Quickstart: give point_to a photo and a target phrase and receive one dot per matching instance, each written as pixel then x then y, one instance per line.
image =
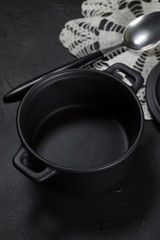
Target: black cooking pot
pixel 80 128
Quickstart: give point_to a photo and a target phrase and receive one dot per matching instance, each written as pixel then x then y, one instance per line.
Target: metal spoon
pixel 142 34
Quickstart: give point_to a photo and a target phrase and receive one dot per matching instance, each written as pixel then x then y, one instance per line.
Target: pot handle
pixel 133 74
pixel 18 162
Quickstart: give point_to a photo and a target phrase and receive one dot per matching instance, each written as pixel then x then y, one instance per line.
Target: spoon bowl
pixel 143 33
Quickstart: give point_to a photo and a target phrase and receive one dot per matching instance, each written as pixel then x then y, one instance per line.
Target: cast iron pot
pixel 80 129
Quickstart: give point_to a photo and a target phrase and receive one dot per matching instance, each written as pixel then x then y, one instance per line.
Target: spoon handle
pixel 17 93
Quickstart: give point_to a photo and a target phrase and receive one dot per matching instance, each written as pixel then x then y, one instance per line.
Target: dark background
pixel 29 46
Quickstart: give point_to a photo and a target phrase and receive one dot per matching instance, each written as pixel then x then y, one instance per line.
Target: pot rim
pixel 79 170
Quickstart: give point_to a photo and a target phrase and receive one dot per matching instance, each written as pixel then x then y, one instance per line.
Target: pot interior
pixel 80 120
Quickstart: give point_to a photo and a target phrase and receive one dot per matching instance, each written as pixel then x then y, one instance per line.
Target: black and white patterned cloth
pixel 102 26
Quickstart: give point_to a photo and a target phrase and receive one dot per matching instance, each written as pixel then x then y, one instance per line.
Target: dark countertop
pixel 29 46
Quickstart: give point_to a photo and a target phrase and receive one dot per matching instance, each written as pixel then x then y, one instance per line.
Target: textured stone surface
pixel 29 46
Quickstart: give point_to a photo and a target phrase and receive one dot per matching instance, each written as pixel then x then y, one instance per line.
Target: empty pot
pixel 82 127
